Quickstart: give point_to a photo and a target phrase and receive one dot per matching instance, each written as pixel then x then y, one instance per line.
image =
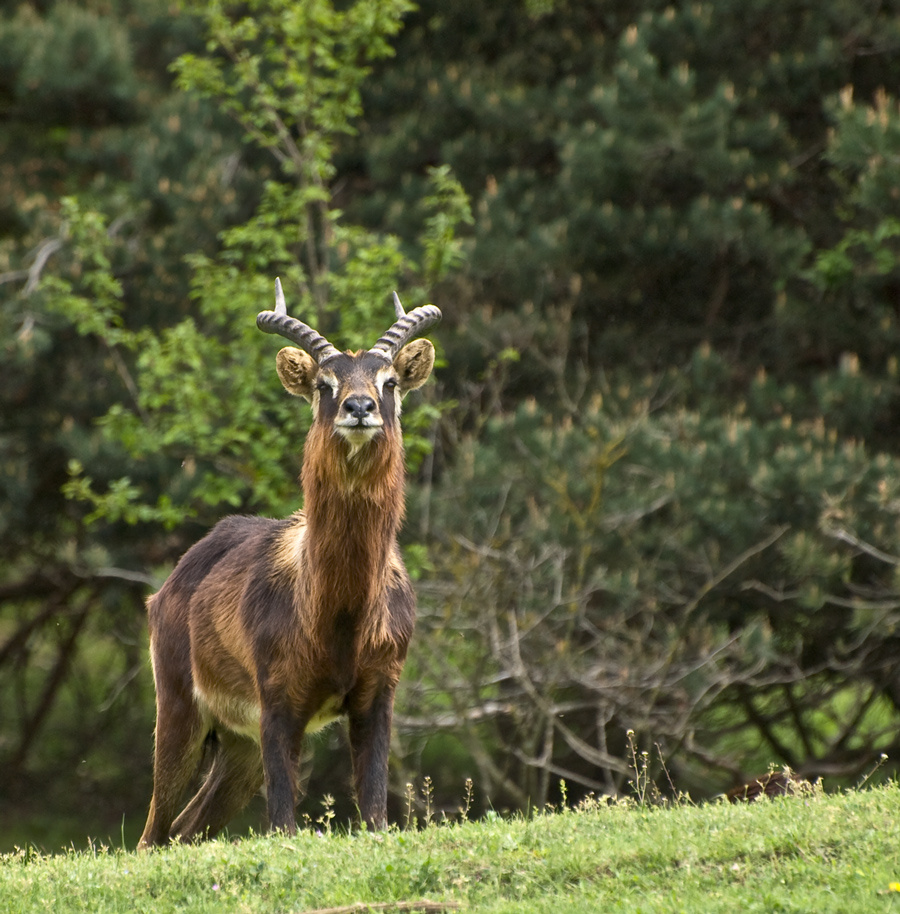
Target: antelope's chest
pixel 351 669
pixel 337 672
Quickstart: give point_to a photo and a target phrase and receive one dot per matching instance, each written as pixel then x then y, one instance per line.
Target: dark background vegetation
pixel 656 485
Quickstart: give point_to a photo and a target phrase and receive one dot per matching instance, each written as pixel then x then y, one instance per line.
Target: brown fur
pixel 269 628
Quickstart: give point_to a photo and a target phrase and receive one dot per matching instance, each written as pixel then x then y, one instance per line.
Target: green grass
pixel 815 853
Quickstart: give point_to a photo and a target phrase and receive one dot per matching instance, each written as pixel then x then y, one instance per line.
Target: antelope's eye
pixel 390 383
pixel 322 386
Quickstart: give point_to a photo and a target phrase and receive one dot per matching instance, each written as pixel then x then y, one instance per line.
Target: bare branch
pixel 13 276
pixel 45 250
pixel 845 536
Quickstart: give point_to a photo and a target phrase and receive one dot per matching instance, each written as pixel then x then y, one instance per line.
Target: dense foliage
pixel 656 488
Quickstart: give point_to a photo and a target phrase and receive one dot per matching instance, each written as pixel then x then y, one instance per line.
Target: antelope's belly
pixel 243 717
pixel 229 711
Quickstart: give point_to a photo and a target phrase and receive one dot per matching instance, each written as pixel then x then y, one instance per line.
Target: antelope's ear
pixel 413 365
pixel 297 371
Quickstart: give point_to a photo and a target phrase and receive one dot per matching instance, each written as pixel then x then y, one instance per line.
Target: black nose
pixel 359 407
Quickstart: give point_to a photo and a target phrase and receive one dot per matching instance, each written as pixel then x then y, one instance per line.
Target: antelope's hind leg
pixel 235 775
pixel 180 733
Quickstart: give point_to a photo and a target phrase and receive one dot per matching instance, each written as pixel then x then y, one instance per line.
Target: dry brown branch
pixel 65 652
pixel 363 907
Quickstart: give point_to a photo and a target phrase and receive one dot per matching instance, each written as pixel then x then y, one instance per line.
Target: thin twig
pixel 733 566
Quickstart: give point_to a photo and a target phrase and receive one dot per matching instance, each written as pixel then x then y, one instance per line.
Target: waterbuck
pixel 268 629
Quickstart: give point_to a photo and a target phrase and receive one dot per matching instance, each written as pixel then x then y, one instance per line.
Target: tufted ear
pixel 413 365
pixel 297 371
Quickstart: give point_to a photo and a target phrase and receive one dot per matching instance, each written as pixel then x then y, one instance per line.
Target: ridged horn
pixel 282 324
pixel 405 328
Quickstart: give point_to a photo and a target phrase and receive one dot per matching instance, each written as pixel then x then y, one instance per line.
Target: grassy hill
pixel 814 853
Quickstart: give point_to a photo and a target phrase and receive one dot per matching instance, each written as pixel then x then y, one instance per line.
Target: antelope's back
pixel 196 618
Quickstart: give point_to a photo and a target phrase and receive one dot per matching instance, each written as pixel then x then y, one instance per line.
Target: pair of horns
pixel 389 344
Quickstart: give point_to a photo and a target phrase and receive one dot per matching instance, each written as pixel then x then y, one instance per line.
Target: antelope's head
pixel 357 394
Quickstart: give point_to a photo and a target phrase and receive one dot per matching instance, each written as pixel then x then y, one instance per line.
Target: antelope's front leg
pixel 370 739
pixel 281 738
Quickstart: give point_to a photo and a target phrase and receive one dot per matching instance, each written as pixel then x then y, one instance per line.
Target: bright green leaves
pixel 290 73
pixel 449 209
pixel 92 298
pixel 200 400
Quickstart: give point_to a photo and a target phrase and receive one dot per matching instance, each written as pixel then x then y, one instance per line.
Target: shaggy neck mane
pixel 354 507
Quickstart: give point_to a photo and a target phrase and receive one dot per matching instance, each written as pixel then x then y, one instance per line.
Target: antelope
pixel 269 629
